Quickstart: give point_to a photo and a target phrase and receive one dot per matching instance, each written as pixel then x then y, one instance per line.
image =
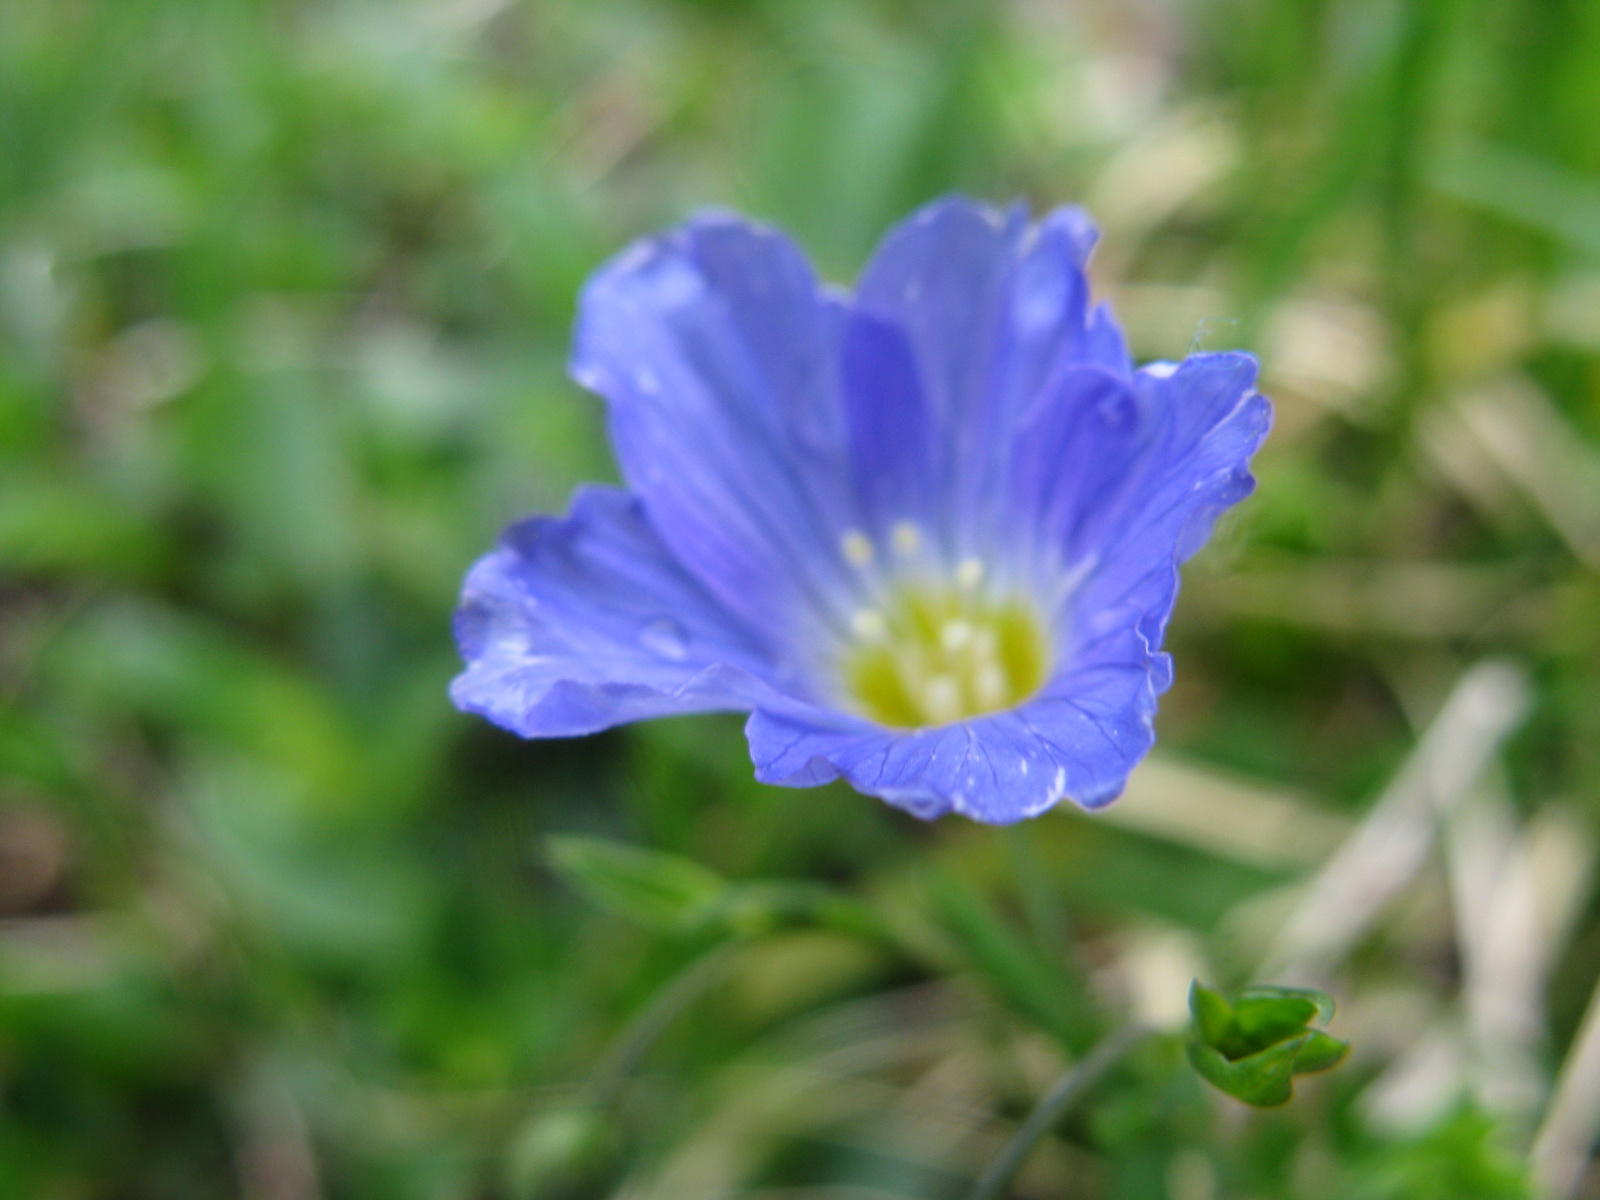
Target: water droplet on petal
pixel 664 636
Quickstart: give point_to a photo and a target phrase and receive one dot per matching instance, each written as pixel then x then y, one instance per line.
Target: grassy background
pixel 285 290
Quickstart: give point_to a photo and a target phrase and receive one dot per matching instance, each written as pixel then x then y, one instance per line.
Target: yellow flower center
pixel 934 653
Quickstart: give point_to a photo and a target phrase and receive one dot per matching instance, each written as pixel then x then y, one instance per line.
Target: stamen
pixel 856 548
pixel 931 653
pixel 955 634
pixel 941 699
pixel 989 685
pixel 868 625
pixel 906 538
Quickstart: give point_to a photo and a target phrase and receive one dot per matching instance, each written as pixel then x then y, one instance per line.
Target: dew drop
pixel 664 636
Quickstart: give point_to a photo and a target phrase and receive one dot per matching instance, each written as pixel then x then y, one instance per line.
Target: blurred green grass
pixel 284 296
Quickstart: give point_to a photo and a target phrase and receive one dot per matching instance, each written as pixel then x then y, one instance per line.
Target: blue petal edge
pixel 577 623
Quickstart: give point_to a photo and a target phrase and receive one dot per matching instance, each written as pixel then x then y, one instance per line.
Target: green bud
pixel 1253 1047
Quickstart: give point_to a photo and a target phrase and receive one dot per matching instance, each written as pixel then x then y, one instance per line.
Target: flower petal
pixel 944 276
pixel 1206 420
pixel 718 353
pixel 579 623
pixel 893 446
pixel 1078 740
pixel 1050 325
pixel 992 310
pixel 1069 460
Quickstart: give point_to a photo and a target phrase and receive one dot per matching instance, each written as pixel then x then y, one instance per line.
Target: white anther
pixel 856 548
pixel 941 699
pixel 969 572
pixel 989 685
pixel 953 635
pixel 906 538
pixel 867 624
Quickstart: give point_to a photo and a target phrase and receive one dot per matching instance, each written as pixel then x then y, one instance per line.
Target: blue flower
pixel 926 535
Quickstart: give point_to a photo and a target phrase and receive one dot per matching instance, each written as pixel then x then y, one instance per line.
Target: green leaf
pixel 1253 1047
pixel 1464 1157
pixel 1321 1001
pixel 554 1145
pixel 1321 1053
pixel 656 889
pixel 1263 1020
pixel 1212 1012
pixel 51 525
pixel 1033 984
pixel 1263 1079
pixel 765 906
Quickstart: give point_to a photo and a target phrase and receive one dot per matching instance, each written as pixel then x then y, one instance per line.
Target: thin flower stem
pixel 1069 1089
pixel 671 999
